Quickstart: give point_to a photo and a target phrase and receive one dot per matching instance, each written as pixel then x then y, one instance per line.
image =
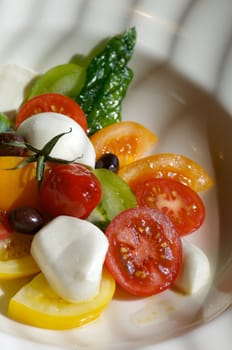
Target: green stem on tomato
pixel 40 157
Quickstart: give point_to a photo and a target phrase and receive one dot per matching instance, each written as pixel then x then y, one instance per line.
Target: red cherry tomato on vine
pixel 52 102
pixel 69 189
pixel 183 205
pixel 145 251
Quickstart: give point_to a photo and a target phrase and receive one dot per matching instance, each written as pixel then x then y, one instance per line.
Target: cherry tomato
pixel 52 102
pixel 145 251
pixel 183 205
pixel 69 189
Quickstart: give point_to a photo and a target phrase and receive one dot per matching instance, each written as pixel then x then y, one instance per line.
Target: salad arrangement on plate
pixel 86 204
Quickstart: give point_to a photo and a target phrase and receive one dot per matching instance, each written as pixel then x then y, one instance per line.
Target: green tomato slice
pixel 66 79
pixel 116 197
pixel 5 123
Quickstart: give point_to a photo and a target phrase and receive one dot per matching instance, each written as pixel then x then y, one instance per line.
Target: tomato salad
pixel 71 169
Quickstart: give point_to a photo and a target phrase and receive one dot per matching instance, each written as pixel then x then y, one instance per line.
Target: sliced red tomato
pixel 183 205
pixel 52 102
pixel 5 230
pixel 145 251
pixel 69 189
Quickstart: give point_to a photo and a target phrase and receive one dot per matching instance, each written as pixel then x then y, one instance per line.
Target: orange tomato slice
pixel 128 140
pixel 15 258
pixel 167 165
pixel 17 187
pixel 38 305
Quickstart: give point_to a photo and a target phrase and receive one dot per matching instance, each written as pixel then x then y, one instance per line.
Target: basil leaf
pixel 107 109
pixel 107 79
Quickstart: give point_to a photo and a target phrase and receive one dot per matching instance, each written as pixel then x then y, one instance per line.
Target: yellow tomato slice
pixel 15 258
pixel 175 166
pixel 17 187
pixel 127 140
pixel 37 304
pixel 17 268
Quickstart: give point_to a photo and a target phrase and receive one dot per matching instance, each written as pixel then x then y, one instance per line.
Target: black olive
pixel 25 220
pixel 108 161
pixel 10 150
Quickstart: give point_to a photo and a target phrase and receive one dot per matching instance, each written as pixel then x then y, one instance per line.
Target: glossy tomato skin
pixel 167 165
pixel 183 205
pixel 69 189
pixel 145 251
pixel 52 102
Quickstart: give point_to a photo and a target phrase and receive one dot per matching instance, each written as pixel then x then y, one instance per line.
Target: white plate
pixel 182 91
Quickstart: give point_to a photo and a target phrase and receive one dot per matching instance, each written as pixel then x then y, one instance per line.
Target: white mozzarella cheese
pixel 195 272
pixel 13 80
pixel 42 127
pixel 70 252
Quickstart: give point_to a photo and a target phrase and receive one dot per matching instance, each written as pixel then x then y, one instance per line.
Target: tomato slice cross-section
pixel 15 258
pixel 167 165
pixel 38 305
pixel 183 205
pixel 128 140
pixel 52 102
pixel 145 251
pixel 4 225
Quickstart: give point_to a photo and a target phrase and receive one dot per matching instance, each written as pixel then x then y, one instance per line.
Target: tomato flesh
pixel 52 102
pixel 5 230
pixel 69 189
pixel 127 140
pixel 38 305
pixel 183 205
pixel 17 187
pixel 145 251
pixel 167 165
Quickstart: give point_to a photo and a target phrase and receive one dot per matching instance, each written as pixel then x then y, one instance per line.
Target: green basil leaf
pixel 105 74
